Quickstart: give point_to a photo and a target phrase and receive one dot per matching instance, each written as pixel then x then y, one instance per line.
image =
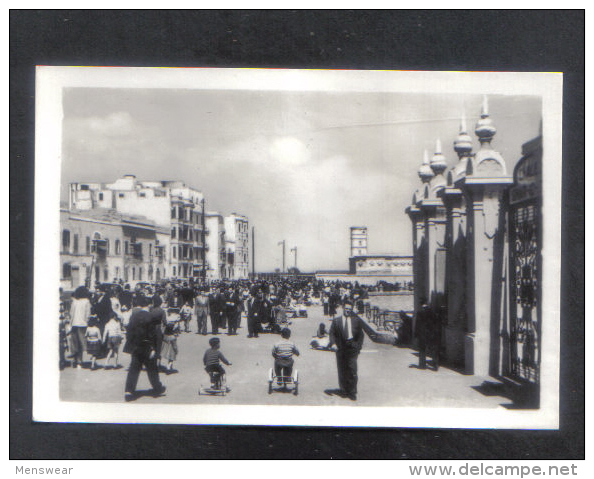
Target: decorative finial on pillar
pixel 485 130
pixel 438 162
pixel 425 171
pixel 463 144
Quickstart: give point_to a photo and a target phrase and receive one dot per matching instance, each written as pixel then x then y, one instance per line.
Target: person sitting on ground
pixel 321 339
pixel 213 357
pixel 283 352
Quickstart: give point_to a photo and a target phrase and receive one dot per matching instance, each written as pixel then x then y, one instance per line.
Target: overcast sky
pixel 302 166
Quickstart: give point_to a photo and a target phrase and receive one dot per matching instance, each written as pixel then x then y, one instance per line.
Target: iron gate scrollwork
pixel 526 265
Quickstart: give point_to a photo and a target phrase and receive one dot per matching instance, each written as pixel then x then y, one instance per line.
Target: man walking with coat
pixel 143 343
pixel 346 332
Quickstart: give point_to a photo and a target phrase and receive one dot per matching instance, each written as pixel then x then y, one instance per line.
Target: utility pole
pixel 295 250
pixel 283 243
pixel 253 254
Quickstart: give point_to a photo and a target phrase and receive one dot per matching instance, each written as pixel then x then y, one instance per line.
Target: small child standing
pixel 213 357
pixel 169 349
pixel 283 352
pixel 93 337
pixel 186 316
pixel 112 338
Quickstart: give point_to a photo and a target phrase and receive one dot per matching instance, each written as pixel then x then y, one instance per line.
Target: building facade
pixel 102 245
pixel 237 245
pixel 476 256
pixel 169 204
pixel 216 250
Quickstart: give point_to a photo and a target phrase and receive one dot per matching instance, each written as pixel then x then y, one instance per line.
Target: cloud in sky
pixel 303 166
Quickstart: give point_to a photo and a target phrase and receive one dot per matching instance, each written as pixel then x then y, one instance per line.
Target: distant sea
pixel 394 302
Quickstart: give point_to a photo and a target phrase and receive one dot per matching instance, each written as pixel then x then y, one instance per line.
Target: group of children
pixel 111 339
pixel 282 352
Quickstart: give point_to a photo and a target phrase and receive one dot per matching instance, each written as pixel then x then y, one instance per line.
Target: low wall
pixel 367 280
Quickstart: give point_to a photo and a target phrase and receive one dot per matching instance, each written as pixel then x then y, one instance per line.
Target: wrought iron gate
pixel 526 266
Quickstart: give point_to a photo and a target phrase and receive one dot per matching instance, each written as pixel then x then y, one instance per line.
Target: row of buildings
pixel 135 231
pixel 477 243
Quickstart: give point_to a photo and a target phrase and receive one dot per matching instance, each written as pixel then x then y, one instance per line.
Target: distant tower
pixel 358 241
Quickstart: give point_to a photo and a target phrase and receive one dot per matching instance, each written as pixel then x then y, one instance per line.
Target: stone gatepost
pixel 434 213
pixel 483 185
pixel 420 255
pixel 456 277
pixel 418 237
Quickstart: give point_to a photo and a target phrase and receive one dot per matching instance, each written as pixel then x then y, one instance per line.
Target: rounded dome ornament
pixel 485 129
pixel 425 171
pixel 463 144
pixel 438 162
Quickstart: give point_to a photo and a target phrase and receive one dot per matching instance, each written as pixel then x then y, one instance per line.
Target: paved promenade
pixel 387 375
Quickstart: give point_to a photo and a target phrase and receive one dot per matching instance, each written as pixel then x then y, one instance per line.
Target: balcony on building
pixel 100 247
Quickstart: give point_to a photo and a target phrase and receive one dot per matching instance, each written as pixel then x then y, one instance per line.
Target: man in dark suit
pixel 258 308
pixel 428 334
pixel 346 332
pixel 143 343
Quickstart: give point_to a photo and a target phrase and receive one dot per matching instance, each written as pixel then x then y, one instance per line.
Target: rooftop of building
pixel 111 216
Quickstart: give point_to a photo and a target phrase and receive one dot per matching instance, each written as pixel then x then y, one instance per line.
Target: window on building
pixel 133 273
pixel 117 272
pixel 66 271
pixel 75 244
pixel 106 246
pixel 142 195
pixel 173 212
pixel 105 274
pixel 173 232
pixel 150 252
pixel 140 274
pixel 100 196
pixel 84 187
pixel 65 240
pixel 174 251
pixel 125 247
pixel 121 195
pixel 88 245
pixel 174 271
pixel 118 247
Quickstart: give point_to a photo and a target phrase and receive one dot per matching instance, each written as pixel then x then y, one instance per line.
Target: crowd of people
pixel 148 319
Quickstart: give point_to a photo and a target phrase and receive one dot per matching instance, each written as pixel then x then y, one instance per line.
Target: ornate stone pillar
pixel 420 266
pixel 435 228
pixel 484 182
pixel 419 244
pixel 455 204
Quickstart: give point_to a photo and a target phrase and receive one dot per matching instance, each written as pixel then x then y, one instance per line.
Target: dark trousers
pixel 326 310
pixel 283 367
pixel 214 321
pixel 138 360
pixel 223 320
pixel 253 326
pixel 233 322
pixel 433 350
pixel 201 321
pixel 346 363
pixel 79 343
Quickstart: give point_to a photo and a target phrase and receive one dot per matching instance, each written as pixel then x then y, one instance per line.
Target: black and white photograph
pixel 297 247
